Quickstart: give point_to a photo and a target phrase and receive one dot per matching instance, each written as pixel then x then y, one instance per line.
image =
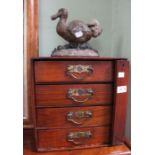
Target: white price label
pixel 79 34
pixel 121 89
pixel 121 74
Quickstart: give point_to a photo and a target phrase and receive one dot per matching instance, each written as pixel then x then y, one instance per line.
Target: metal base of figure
pixel 74 50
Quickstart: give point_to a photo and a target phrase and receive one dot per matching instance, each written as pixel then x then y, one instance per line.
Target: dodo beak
pixel 55 16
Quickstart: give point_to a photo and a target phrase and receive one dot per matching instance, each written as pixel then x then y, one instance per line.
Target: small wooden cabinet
pixel 79 102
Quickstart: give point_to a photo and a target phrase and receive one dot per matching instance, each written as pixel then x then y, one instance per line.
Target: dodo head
pixel 62 13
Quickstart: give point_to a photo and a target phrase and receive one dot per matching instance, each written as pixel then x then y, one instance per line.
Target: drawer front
pixel 75 95
pixel 77 71
pixel 72 138
pixel 74 117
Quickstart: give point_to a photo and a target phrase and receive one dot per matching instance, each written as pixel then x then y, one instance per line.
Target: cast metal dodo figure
pixel 76 32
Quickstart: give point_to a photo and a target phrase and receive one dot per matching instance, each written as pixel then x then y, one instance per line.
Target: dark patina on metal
pixel 75 137
pixel 77 33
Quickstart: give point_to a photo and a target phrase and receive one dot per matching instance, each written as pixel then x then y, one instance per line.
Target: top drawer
pixel 73 71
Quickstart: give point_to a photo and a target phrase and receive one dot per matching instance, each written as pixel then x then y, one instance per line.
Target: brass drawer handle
pixel 79 72
pixel 74 117
pixel 75 137
pixel 80 95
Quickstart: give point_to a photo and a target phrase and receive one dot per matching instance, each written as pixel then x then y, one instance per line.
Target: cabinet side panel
pixel 120 100
pixel 34 105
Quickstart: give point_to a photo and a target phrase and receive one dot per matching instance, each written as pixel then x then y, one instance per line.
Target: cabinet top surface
pixel 75 58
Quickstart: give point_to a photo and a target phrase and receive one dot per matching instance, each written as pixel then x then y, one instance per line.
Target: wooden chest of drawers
pixel 79 102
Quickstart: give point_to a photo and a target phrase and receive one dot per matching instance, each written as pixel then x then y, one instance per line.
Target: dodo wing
pixel 77 28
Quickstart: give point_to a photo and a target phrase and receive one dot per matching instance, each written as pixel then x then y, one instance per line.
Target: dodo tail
pixel 95 27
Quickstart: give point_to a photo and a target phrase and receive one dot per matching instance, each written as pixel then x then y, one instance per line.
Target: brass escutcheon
pixel 74 94
pixel 74 136
pixel 76 71
pixel 75 117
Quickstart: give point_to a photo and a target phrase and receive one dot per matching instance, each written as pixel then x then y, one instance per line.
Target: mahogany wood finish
pixel 57 117
pixel 114 150
pixel 57 95
pixel 77 58
pixel 56 139
pixel 55 71
pixel 127 143
pixel 52 103
pixel 120 100
pixel 30 50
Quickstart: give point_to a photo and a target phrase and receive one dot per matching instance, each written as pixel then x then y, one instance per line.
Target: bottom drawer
pixel 72 138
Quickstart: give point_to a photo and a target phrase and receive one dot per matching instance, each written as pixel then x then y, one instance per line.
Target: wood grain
pixel 56 95
pixel 114 150
pixel 56 139
pixel 77 58
pixel 52 102
pixel 57 117
pixel 30 50
pixel 56 71
pixel 120 102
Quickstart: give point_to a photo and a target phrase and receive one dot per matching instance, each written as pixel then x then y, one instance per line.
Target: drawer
pixel 57 139
pixel 74 94
pixel 74 117
pixel 73 71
